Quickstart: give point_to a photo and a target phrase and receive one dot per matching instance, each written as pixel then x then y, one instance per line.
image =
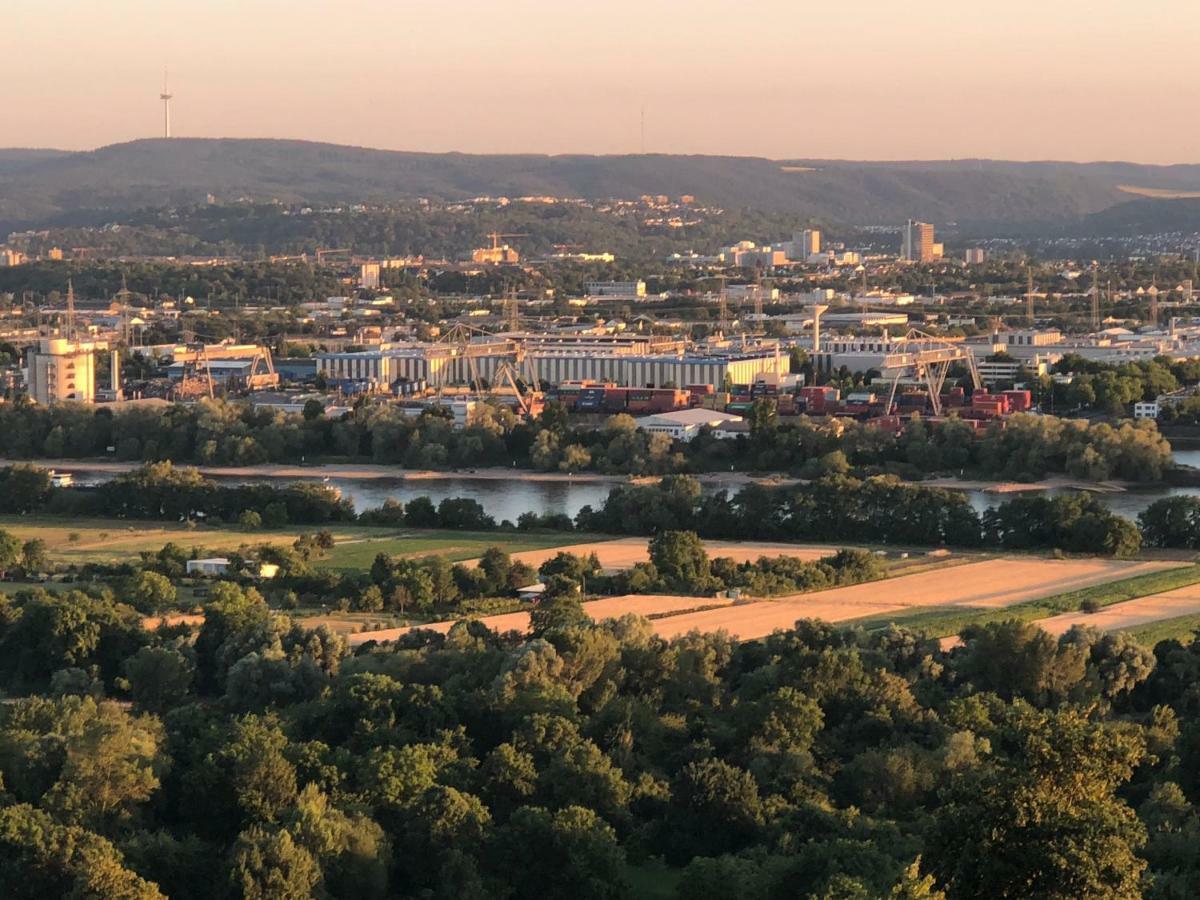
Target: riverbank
pixel 370 472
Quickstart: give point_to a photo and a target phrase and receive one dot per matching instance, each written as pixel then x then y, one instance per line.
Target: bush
pixel 250 520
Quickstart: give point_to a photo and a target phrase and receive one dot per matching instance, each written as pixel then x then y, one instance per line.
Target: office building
pixel 806 244
pixel 917 244
pixel 60 371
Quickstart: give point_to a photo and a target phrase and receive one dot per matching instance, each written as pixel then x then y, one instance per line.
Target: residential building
pixel 975 256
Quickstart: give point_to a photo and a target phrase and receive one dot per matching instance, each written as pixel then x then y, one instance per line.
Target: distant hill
pixel 38 186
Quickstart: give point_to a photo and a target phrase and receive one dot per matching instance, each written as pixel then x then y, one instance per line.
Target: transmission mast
pixel 1029 294
pixel 70 310
pixel 165 97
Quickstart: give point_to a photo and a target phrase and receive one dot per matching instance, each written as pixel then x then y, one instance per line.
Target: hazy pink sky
pixel 873 79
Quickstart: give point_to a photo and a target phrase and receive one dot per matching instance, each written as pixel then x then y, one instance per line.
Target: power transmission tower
pixel 1029 295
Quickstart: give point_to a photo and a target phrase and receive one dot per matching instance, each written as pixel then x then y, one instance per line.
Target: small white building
pixel 1146 409
pixel 685 424
pixel 217 565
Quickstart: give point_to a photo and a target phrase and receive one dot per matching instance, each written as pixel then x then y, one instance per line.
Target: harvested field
pixel 1123 616
pixel 606 608
pixel 992 584
pixel 623 553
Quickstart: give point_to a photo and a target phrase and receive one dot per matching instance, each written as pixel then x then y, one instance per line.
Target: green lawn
pixel 946 621
pixel 1181 628
pixel 454 545
pixel 116 540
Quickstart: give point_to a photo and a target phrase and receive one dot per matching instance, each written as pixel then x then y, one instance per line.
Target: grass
pixel 454 545
pixel 81 541
pixel 946 621
pixel 1180 628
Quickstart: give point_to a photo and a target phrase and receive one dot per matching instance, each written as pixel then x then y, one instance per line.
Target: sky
pixel 902 79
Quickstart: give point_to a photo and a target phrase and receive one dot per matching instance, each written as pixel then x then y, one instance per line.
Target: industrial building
pixel 631 289
pixel 685 424
pixel 629 361
pixel 58 370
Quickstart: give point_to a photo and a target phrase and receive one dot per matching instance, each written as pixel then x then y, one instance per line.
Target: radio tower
pixel 165 97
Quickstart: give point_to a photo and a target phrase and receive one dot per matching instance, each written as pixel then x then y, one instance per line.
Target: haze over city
pixel 929 79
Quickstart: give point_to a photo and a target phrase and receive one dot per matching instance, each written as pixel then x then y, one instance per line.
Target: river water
pixel 508 499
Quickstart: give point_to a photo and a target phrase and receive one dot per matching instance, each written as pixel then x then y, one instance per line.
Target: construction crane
pixel 323 252
pixel 197 377
pixel 506 376
pixel 929 358
pixel 496 235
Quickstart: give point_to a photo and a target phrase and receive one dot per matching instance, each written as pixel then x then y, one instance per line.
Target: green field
pixel 946 621
pixel 1181 628
pixel 360 552
pixel 80 541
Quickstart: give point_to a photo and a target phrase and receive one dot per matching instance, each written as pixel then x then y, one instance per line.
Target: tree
pixel 568 853
pixel 106 763
pixel 269 865
pixel 1042 818
pixel 10 552
pixel 34 558
pixel 250 520
pixel 159 678
pixel 149 592
pixel 681 560
pixel 40 858
pixel 715 808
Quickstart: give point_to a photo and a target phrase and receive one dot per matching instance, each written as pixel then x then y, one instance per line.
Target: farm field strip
pixel 1184 601
pixel 991 584
pixel 624 553
pixel 599 610
pixel 968 585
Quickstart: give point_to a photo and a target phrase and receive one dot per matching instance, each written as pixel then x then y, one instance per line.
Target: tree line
pixel 218 432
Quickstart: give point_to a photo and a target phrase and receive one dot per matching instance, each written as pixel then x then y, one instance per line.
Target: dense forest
pixel 249 758
pixel 1027 447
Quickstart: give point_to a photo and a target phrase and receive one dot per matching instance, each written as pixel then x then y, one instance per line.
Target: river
pixel 508 499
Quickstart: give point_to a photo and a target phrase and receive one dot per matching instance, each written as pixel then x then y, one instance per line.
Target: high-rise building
pixel 59 370
pixel 917 245
pixel 806 243
pixel 975 256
